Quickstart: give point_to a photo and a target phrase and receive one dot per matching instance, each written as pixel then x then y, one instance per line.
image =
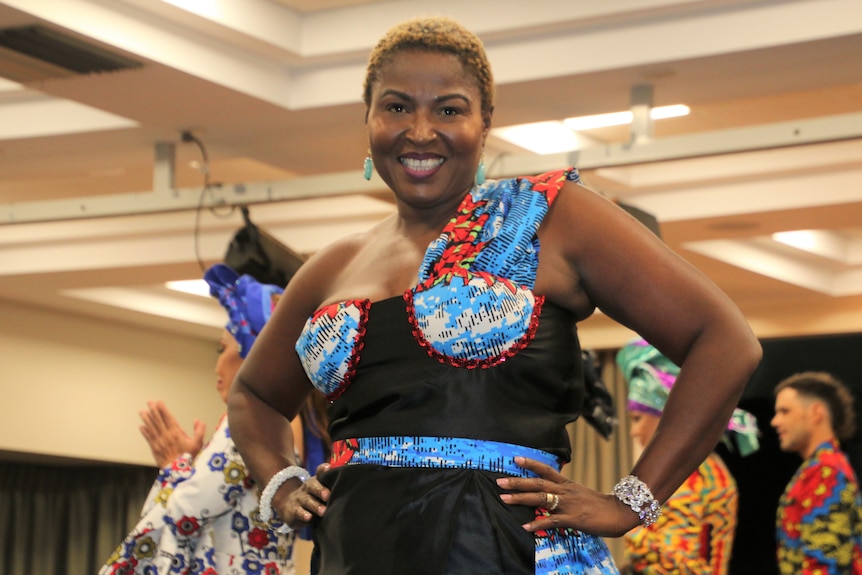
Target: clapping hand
pixel 166 438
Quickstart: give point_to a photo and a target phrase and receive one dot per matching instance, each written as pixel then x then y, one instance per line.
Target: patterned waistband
pixel 438 452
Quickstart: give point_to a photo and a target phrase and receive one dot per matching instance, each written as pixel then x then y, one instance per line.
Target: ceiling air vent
pixel 34 52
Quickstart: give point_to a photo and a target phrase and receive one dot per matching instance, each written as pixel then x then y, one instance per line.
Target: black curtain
pixel 66 519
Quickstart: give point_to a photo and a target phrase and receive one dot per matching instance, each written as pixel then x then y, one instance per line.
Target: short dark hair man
pixel 819 519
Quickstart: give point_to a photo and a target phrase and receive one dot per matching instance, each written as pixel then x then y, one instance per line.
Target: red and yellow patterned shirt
pixel 694 534
pixel 819 523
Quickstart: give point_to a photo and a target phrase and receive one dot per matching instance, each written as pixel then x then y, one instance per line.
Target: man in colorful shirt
pixel 819 524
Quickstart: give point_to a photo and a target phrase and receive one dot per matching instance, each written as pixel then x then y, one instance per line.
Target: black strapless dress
pixel 406 520
pixel 436 392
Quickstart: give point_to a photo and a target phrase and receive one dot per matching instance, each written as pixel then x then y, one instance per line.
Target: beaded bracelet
pixel 274 484
pixel 634 493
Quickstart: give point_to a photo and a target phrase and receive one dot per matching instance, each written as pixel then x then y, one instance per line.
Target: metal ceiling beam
pixel 715 143
pixel 768 136
pixel 641 108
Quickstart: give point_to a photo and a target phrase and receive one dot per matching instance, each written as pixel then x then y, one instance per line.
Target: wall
pixel 72 386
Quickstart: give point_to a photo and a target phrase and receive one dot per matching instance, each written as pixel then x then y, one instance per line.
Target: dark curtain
pixel 66 519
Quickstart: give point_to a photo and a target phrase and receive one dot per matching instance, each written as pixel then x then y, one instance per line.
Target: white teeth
pixel 421 165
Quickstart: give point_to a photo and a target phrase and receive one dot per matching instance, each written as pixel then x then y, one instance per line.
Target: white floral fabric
pixel 202 517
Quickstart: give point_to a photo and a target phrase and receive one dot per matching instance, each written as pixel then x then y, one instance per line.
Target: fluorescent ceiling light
pixel 598 121
pixel 556 137
pixel 799 239
pixel 673 111
pixel 539 137
pixel 145 300
pixel 823 243
pixel 194 287
pixel 622 118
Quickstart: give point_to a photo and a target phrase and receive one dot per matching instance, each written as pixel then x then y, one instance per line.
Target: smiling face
pixel 227 364
pixel 426 128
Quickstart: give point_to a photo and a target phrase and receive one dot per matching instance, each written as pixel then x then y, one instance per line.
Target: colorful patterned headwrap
pixel 249 303
pixel 650 376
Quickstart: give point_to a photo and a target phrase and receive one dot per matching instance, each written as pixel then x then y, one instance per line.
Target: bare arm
pixel 270 389
pixel 593 253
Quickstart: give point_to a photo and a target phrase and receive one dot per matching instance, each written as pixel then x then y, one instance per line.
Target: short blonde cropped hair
pixel 433 34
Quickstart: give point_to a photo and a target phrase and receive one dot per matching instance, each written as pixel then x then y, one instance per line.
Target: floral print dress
pixel 202 517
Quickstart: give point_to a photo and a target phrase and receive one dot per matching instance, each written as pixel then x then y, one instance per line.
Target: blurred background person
pixel 819 518
pixel 202 513
pixel 694 534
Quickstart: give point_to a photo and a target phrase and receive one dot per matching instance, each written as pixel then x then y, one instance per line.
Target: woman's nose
pixel 422 129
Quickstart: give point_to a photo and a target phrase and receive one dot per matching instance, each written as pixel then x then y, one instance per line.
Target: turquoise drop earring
pixel 367 166
pixel 480 171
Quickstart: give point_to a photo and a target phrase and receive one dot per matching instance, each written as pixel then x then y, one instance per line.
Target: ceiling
pixel 102 200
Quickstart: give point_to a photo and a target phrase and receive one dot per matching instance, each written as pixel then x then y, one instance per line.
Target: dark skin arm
pixel 271 387
pixel 593 253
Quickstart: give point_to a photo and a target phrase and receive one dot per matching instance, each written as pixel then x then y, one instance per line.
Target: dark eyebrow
pixel 455 96
pixel 391 92
pixel 438 99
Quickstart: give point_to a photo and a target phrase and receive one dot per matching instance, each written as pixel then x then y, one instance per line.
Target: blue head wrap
pixel 248 303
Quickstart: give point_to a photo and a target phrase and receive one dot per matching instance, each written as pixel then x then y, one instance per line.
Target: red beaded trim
pixel 363 305
pixel 474 363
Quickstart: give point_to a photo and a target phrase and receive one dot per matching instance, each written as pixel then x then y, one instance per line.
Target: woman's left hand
pixel 574 506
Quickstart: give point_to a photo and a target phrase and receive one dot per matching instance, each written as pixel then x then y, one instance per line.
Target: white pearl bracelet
pixel 274 484
pixel 635 493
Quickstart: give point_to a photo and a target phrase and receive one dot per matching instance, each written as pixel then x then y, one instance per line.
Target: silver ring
pixel 552 500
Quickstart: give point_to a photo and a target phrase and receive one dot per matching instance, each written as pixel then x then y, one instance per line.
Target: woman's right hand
pixel 167 440
pixel 298 507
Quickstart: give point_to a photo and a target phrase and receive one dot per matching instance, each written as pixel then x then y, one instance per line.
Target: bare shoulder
pixel 578 220
pixel 319 274
pixel 604 254
pixel 582 213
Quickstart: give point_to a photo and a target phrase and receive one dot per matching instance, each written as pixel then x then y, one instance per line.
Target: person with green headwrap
pixel 694 533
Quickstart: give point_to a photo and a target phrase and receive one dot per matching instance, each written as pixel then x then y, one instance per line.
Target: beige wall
pixel 73 386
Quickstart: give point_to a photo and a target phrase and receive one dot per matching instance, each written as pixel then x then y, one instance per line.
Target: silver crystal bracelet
pixel 274 484
pixel 634 493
